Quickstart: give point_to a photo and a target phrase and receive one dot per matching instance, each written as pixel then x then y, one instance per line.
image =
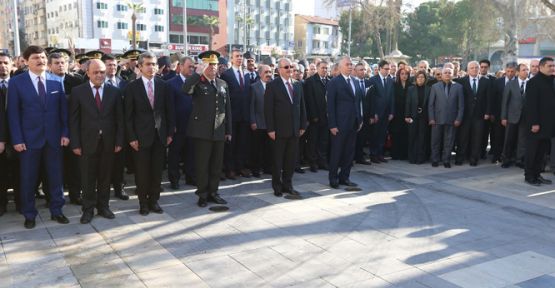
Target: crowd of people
pixel 79 123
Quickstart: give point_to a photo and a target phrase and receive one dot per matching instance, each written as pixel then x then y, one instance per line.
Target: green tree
pixel 212 22
pixel 135 8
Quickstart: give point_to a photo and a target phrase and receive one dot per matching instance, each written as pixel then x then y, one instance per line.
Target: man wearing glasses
pixel 382 108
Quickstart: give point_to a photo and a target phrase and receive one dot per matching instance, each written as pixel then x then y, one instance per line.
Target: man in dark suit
pixel 445 113
pixel 7 164
pixel 96 126
pixel 116 81
pixel 150 124
pixel 37 117
pixel 477 97
pixel 236 153
pixel 181 148
pixel 58 66
pixel 345 119
pixel 497 132
pixel 382 105
pixel 209 126
pixel 250 72
pixel 261 159
pixel 285 115
pixel 317 113
pixel 362 136
pixel 511 111
pixel 540 121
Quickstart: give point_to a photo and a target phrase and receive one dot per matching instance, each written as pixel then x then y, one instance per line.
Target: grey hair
pixel 472 63
pixel 144 55
pixel 283 59
pixel 511 65
pixel 184 59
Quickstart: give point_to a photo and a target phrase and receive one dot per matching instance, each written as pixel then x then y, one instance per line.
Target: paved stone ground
pixel 410 226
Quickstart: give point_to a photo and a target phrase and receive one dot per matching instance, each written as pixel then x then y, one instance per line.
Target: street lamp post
pixel 185 27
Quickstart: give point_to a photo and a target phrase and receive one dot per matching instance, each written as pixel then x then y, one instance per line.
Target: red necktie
pixel 97 98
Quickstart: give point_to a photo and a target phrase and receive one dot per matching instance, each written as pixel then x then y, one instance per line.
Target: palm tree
pixel 211 22
pixel 136 8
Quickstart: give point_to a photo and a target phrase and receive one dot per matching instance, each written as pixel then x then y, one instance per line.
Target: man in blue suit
pixel 382 108
pixel 238 82
pixel 345 119
pixel 37 114
pixel 181 145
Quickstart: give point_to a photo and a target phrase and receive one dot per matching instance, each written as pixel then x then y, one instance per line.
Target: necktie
pixel 214 84
pixel 362 86
pixel 241 82
pixel 349 83
pixel 291 91
pixel 522 88
pixel 324 81
pixel 474 89
pixel 3 84
pixel 42 90
pixel 150 93
pixel 112 82
pixel 97 98
pixel 446 89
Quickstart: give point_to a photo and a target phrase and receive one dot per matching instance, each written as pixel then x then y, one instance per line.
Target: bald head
pixel 96 71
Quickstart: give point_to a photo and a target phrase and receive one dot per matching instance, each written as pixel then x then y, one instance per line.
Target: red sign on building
pixel 105 45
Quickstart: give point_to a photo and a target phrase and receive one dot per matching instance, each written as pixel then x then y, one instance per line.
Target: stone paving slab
pixel 409 226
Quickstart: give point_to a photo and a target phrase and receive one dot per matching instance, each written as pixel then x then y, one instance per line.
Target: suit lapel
pixel 142 92
pixel 349 86
pixel 283 89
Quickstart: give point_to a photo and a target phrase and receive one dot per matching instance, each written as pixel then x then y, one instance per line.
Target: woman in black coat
pixel 398 126
pixel 416 117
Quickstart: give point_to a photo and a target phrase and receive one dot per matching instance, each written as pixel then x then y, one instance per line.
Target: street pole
pixel 16 47
pixel 350 24
pixel 245 25
pixel 185 28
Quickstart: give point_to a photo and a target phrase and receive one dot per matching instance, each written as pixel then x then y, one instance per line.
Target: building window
pixel 122 25
pixel 100 5
pixel 158 11
pixel 141 27
pixel 102 24
pixel 326 30
pixel 316 30
pixel 121 7
pixel 325 44
pixel 315 44
pixel 176 38
pixel 177 19
pixel 158 28
pixel 300 43
pixel 177 3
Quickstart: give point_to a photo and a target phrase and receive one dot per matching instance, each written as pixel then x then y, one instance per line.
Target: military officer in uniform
pixel 209 126
pixel 132 56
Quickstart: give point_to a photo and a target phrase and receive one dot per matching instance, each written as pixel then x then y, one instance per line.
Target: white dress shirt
pixel 145 82
pixel 35 80
pixel 287 88
pixel 100 90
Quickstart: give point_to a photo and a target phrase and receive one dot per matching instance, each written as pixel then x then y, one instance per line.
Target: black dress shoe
pixel 190 181
pixel 447 165
pixel 202 202
pixel 60 219
pixel 458 163
pixel 143 209
pixel 154 207
pixel 216 199
pixel 348 183
pixel 76 201
pixel 256 174
pixel 519 165
pixel 292 192
pixel 334 185
pixel 435 164
pixel 29 223
pixel 231 175
pixel 506 165
pixel 121 194
pixel 299 170
pixel 544 181
pixel 278 193
pixel 87 216
pixel 174 185
pixel 364 162
pixel 375 160
pixel 314 168
pixel 106 213
pixel 2 210
pixel 382 159
pixel 473 163
pixel 533 182
pixel 324 167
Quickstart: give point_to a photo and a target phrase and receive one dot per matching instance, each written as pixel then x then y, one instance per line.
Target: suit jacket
pixel 411 108
pixel 282 116
pixel 476 106
pixel 32 122
pixel 344 110
pixel 86 121
pixel 540 105
pixel 3 117
pixel 497 97
pixel 240 108
pixel 257 105
pixel 142 122
pixel 71 80
pixel 315 97
pixel 446 109
pixel 120 83
pixel 381 97
pixel 183 104
pixel 250 79
pixel 211 115
pixel 512 102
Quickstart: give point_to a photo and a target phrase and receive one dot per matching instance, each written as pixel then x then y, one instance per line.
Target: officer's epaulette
pixel 203 79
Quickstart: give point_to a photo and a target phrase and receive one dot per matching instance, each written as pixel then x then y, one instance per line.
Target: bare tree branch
pixel 548 4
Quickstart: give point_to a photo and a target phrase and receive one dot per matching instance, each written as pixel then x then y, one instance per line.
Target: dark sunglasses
pixel 286 67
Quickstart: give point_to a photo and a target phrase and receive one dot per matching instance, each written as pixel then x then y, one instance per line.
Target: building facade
pixel 7 26
pixel 262 26
pixel 32 15
pixel 316 36
pixel 198 29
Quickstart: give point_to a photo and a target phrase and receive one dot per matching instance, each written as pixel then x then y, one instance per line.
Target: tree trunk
pixel 379 43
pixel 133 31
pixel 210 37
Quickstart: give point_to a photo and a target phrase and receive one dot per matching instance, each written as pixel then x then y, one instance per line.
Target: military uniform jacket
pixel 211 115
